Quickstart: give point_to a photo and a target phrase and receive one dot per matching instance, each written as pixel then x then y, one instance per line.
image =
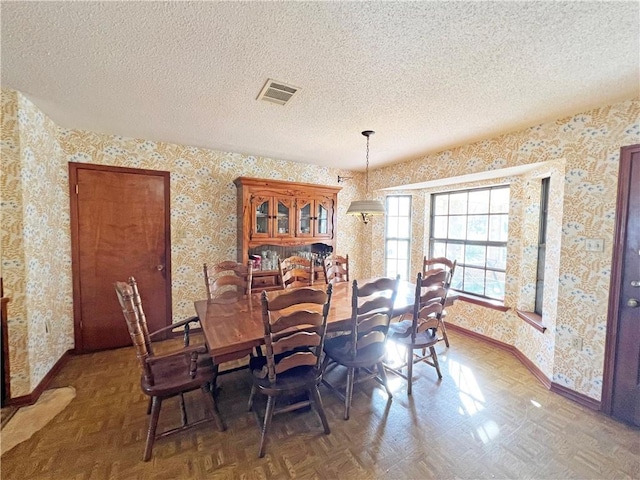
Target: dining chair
pixel 296 271
pixel 294 334
pixel 363 347
pixel 228 278
pixel 421 332
pixel 229 281
pixel 170 374
pixel 336 268
pixel 436 264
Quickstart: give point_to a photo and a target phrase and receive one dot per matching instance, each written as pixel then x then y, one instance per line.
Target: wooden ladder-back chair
pixel 336 269
pixel 227 282
pixel 228 278
pixel 167 375
pixel 421 332
pixel 296 271
pixel 431 265
pixel 364 346
pixel 294 334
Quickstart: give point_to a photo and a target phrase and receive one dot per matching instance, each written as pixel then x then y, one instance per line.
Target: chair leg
pixel 149 405
pixel 314 394
pixel 434 357
pixel 208 390
pixel 156 403
pixel 409 369
pixel 349 393
pixel 271 402
pixel 383 376
pixel 444 333
pixel 251 396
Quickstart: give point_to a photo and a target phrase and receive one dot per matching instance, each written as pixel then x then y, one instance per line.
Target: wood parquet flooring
pixel 487 418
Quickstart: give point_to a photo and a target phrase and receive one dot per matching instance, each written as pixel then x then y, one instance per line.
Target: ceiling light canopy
pixel 366 208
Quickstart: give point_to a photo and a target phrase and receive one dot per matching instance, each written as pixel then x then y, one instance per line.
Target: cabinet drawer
pixel 267 282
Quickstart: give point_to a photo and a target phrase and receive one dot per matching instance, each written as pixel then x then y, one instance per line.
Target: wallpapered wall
pixel 584 150
pixel 203 200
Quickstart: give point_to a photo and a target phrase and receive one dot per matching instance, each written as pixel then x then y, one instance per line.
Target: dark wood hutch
pixel 279 219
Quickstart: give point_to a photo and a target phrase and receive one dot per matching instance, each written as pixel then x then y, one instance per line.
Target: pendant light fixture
pixel 366 208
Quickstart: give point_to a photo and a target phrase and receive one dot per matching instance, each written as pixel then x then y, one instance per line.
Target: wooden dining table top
pixel 233 326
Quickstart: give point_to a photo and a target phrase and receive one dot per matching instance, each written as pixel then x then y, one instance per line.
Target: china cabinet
pixel 278 219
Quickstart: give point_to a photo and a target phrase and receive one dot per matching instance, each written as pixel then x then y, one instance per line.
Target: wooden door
pixel 120 228
pixel 621 386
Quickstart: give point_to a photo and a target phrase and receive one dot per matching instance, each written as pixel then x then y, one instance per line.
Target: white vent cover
pixel 277 92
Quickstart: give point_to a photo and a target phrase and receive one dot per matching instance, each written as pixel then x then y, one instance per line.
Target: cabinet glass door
pixel 304 217
pixel 322 219
pixel 283 214
pixel 262 217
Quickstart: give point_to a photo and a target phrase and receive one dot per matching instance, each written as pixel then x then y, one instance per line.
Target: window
pixel 542 240
pixel 398 236
pixel 472 226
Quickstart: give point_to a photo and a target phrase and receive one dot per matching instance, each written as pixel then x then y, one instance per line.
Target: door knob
pixel 160 267
pixel 633 303
pixel 635 283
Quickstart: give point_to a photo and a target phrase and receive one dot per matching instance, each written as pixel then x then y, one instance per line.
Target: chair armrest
pixel 191 353
pixel 183 323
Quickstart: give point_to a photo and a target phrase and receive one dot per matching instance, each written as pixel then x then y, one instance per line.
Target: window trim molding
pixel 483 302
pixel 533 319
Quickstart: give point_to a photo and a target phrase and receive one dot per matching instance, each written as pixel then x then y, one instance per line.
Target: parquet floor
pixel 487 418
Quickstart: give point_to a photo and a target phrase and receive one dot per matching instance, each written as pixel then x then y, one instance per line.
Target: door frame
pixel 613 313
pixel 75 253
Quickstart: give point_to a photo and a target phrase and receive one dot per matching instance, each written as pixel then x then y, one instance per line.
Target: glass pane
pixel 439 249
pixel 497 257
pixel 403 227
pixel 479 201
pixel 391 270
pixel 477 227
pixel 392 226
pixel 457 227
pixel 283 218
pixel 495 285
pixel 403 249
pixel 323 220
pixel 498 228
pixel 404 206
pixel 475 255
pixel 474 280
pixel 392 206
pixel 392 249
pixel 441 204
pixel 262 217
pixel 305 219
pixel 403 267
pixel 439 227
pixel 500 200
pixel 455 252
pixel 458 203
pixel 456 281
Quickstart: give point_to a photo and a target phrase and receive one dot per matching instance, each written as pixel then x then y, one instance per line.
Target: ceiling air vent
pixel 277 92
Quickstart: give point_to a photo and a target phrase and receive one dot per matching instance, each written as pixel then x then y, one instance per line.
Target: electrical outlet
pixel 576 343
pixel 594 245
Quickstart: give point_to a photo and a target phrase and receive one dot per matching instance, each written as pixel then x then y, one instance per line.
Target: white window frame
pixel 394 240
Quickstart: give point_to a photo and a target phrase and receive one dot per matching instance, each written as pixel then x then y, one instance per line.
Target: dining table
pixel 233 327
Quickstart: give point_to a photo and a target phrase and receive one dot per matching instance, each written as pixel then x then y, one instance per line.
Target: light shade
pixel 366 209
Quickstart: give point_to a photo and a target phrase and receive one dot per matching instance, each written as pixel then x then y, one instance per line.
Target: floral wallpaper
pixel 584 152
pixel 581 154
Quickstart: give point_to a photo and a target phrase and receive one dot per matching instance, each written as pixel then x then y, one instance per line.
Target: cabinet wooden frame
pixel 315 224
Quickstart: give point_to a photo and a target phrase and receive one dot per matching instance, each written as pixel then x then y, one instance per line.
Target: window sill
pixel 483 302
pixel 532 319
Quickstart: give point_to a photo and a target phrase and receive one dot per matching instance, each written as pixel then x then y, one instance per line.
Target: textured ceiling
pixel 424 75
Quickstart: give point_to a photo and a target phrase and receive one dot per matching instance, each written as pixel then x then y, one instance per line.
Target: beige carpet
pixel 28 420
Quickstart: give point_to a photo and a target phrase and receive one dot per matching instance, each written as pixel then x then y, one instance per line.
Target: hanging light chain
pixel 367 170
